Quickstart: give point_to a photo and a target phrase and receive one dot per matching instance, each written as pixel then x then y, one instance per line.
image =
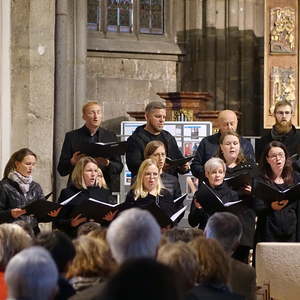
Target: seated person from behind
pixel 87 182
pixel 91 132
pixel 148 189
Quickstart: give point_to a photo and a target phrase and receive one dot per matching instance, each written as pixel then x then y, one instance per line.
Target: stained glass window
pixel 119 16
pixel 151 16
pixel 93 14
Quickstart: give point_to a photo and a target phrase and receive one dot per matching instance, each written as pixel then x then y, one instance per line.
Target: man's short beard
pixel 283 128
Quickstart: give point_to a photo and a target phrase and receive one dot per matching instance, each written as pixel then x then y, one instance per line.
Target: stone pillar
pixel 32 82
pixel 5 85
pixel 70 78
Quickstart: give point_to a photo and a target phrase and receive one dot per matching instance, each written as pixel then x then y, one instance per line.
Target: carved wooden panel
pixel 281 73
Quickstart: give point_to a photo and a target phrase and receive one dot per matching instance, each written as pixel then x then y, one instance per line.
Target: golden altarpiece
pixel 281 65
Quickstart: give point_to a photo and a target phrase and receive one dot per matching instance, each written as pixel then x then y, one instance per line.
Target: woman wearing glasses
pixel 148 188
pixel 277 221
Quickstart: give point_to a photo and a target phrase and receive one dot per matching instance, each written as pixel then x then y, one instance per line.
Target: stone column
pixel 5 97
pixel 70 87
pixel 32 82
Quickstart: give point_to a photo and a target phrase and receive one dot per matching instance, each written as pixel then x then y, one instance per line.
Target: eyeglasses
pixel 275 155
pixel 281 113
pixel 151 174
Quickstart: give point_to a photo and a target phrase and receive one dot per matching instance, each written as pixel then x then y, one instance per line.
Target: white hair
pixel 134 234
pixel 214 163
pixel 32 274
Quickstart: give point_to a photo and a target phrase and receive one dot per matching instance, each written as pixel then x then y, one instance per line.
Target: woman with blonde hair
pixel 13 239
pixel 87 182
pixel 148 188
pixel 93 263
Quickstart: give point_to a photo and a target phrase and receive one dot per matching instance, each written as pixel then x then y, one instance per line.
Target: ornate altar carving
pixel 282 30
pixel 282 86
pixel 183 106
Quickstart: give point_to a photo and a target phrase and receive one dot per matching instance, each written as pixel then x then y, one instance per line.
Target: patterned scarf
pixel 22 181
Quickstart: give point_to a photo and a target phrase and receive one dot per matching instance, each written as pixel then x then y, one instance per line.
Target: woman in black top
pixel 278 221
pixel 17 188
pixel 147 189
pixel 87 182
pixel 157 151
pixel 236 163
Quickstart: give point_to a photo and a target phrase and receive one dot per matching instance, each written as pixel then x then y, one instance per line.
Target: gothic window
pixel 126 16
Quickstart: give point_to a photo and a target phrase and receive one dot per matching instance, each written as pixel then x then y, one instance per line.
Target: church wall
pixel 32 82
pixel 126 83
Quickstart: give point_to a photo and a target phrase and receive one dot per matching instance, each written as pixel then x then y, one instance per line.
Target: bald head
pixel 227 121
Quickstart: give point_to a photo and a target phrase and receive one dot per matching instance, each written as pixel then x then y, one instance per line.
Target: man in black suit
pixel 227 230
pixel 90 132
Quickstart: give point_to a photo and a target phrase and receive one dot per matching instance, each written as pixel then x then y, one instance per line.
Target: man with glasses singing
pixel 283 131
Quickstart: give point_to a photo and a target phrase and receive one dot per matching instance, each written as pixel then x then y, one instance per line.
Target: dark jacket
pixel 63 222
pixel 80 136
pixel 164 201
pixel 208 148
pixel 291 140
pixel 242 279
pixel 137 143
pixel 242 210
pixel 209 292
pixel 277 226
pixel 11 197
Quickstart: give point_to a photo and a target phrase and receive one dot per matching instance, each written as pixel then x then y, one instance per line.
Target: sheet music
pixel 69 199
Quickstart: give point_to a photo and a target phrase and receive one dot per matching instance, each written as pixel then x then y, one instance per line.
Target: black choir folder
pixel 237 182
pixel 96 210
pixel 270 194
pixel 105 150
pixel 162 219
pixel 211 202
pixel 41 208
pixel 178 162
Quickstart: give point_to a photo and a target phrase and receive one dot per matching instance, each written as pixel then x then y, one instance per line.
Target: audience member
pixel 144 279
pixel 282 131
pixel 227 230
pixel 18 189
pixel 214 270
pixel 92 264
pixel 177 234
pixel 13 239
pixel 147 189
pixel 91 132
pixel 62 250
pixel 87 227
pixel 26 226
pixel 182 259
pixel 227 121
pixel 155 114
pixel 133 234
pixel 31 275
pixel 86 184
